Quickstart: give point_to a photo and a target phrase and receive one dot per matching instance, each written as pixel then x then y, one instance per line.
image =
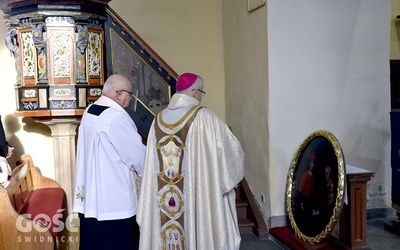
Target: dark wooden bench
pixel 32 209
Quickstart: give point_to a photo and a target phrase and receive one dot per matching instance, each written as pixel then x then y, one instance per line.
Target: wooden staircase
pixel 249 215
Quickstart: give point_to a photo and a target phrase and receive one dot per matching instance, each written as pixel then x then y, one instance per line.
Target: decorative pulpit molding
pixel 59 62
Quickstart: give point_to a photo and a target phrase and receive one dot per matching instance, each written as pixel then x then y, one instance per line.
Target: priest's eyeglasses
pixel 123 90
pixel 201 91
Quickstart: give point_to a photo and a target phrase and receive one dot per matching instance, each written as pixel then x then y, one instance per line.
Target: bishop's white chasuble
pixel 187 197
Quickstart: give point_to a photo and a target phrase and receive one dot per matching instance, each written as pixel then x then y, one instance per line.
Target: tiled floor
pixel 378 238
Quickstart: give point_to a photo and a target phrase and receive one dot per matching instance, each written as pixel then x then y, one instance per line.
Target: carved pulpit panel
pixel 28 56
pixel 59 54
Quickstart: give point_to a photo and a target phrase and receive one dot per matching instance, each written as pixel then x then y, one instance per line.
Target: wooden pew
pixel 32 209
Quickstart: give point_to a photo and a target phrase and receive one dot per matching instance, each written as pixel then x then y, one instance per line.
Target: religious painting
pixel 153 81
pixel 315 186
pixel 148 87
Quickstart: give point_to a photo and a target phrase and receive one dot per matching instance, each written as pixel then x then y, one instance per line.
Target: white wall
pixel 329 69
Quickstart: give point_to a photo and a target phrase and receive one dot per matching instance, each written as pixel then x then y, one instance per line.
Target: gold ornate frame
pixel 314 220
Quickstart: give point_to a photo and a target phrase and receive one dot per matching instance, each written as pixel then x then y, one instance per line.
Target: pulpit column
pixel 63 131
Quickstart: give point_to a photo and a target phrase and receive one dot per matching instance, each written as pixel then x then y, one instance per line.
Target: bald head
pixel 117 88
pixel 115 83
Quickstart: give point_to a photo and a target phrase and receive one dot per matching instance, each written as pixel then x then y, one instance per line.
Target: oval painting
pixel 315 186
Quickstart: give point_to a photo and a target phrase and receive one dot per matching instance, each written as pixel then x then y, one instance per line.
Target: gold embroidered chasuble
pixel 187 197
pixel 171 149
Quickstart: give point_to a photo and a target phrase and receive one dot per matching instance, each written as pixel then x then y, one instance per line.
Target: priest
pixel 193 163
